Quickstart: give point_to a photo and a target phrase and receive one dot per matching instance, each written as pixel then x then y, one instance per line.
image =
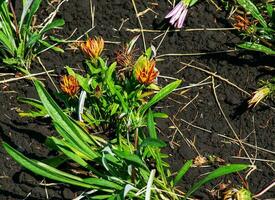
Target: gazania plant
pixel 256 25
pixel 108 130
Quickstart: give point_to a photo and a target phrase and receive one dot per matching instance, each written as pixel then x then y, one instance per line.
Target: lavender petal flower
pixel 176 9
pixel 178 14
pixel 181 19
pixel 175 18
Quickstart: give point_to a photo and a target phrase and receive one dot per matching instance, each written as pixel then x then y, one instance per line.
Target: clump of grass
pixel 20 40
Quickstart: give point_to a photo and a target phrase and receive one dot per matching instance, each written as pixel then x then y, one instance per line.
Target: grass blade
pixel 75 134
pixel 221 171
pixel 257 47
pixel 249 6
pixel 160 95
pixel 183 171
pixel 149 185
pixel 45 170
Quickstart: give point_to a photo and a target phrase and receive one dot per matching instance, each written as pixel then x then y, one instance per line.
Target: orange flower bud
pixel 93 47
pixel 69 85
pixel 145 71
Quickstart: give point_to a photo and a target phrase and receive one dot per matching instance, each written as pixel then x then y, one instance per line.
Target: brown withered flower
pixel 93 47
pixel 243 23
pixel 145 70
pixel 124 57
pixel 69 85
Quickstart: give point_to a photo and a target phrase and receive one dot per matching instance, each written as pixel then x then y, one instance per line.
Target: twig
pixel 39 60
pixel 136 30
pixel 25 77
pixel 247 144
pixel 227 121
pixel 197 127
pixel 197 54
pixel 265 190
pixel 162 39
pixel 140 24
pixel 92 10
pixel 51 16
pixel 256 159
pixel 192 85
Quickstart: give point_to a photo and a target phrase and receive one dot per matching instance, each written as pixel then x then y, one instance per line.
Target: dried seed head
pixel 237 194
pixel 200 160
pixel 69 85
pixel 124 57
pixel 93 47
pixel 258 96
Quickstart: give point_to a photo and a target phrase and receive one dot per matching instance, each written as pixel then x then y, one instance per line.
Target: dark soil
pixel 243 69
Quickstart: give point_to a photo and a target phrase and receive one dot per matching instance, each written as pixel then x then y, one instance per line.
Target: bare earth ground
pixel 196 125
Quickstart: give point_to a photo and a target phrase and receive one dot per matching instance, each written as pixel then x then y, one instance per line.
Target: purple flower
pixel 178 15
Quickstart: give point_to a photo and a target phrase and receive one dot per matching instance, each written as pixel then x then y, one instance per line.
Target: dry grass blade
pixel 247 144
pixel 137 30
pixel 25 77
pixel 197 54
pixel 214 74
pixel 140 24
pixel 227 121
pixel 43 66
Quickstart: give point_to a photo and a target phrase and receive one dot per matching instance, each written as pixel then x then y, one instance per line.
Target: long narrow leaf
pixel 183 171
pixel 45 170
pixel 160 95
pixel 74 133
pixel 149 185
pixel 151 125
pixel 112 87
pixel 249 6
pixel 26 7
pixel 221 171
pixel 257 47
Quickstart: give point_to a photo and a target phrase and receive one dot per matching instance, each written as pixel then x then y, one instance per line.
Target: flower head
pixel 124 57
pixel 237 194
pixel 178 14
pixel 145 71
pixel 93 47
pixel 69 85
pixel 258 96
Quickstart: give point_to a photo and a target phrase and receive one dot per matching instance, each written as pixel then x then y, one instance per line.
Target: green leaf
pixel 221 171
pixel 151 125
pixel 51 46
pixel 249 6
pixel 45 170
pixel 160 115
pixel 26 7
pixel 193 2
pixel 160 95
pixel 112 87
pixel 130 157
pixel 73 133
pixel 35 6
pixel 269 9
pixel 55 161
pixel 102 183
pixel 36 104
pixel 152 142
pixel 7 43
pixel 55 24
pixel 183 171
pixel 257 47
